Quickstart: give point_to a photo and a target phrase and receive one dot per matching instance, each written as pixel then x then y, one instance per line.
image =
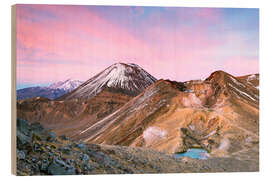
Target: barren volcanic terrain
pixel 126 106
pixel 90 102
pixel 219 114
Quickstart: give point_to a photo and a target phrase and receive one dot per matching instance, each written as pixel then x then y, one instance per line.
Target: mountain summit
pixel 129 79
pixel 66 85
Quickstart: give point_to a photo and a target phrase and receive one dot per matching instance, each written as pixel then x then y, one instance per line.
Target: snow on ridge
pixel 66 85
pixel 251 77
pixel 130 77
pixel 237 82
pixel 242 93
pixel 119 75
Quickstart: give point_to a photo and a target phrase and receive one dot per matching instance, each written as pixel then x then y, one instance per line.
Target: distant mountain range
pixel 53 91
pixel 124 105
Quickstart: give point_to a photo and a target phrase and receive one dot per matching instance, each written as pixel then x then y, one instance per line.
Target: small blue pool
pixel 194 153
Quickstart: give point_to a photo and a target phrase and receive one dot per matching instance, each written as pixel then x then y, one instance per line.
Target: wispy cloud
pixel 58 42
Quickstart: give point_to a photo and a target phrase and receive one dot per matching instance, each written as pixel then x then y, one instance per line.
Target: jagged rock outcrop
pixel 45 154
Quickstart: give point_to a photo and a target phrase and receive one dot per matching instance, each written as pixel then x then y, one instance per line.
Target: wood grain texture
pixel 13 89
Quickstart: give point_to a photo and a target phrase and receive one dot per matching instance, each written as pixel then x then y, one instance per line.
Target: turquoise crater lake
pixel 194 153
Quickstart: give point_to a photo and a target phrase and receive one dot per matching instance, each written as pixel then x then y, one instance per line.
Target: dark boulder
pixel 84 157
pixel 20 155
pixel 23 127
pixel 51 136
pixel 81 146
pixel 44 165
pixel 59 167
pixel 22 140
pixel 65 150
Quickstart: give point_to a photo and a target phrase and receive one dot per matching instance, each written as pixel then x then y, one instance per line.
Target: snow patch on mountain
pixel 243 93
pixel 122 77
pixel 252 77
pixel 67 85
pixel 238 82
pixel 257 87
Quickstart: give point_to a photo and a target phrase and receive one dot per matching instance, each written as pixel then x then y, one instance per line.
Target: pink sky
pixel 55 43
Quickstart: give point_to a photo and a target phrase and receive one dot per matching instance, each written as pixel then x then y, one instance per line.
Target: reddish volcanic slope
pixel 90 102
pixel 220 114
pixel 68 116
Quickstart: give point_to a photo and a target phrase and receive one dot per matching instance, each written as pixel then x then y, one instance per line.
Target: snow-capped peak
pixel 121 75
pixel 129 78
pixel 66 85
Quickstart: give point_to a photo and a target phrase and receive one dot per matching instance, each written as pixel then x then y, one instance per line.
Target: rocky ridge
pixel 40 152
